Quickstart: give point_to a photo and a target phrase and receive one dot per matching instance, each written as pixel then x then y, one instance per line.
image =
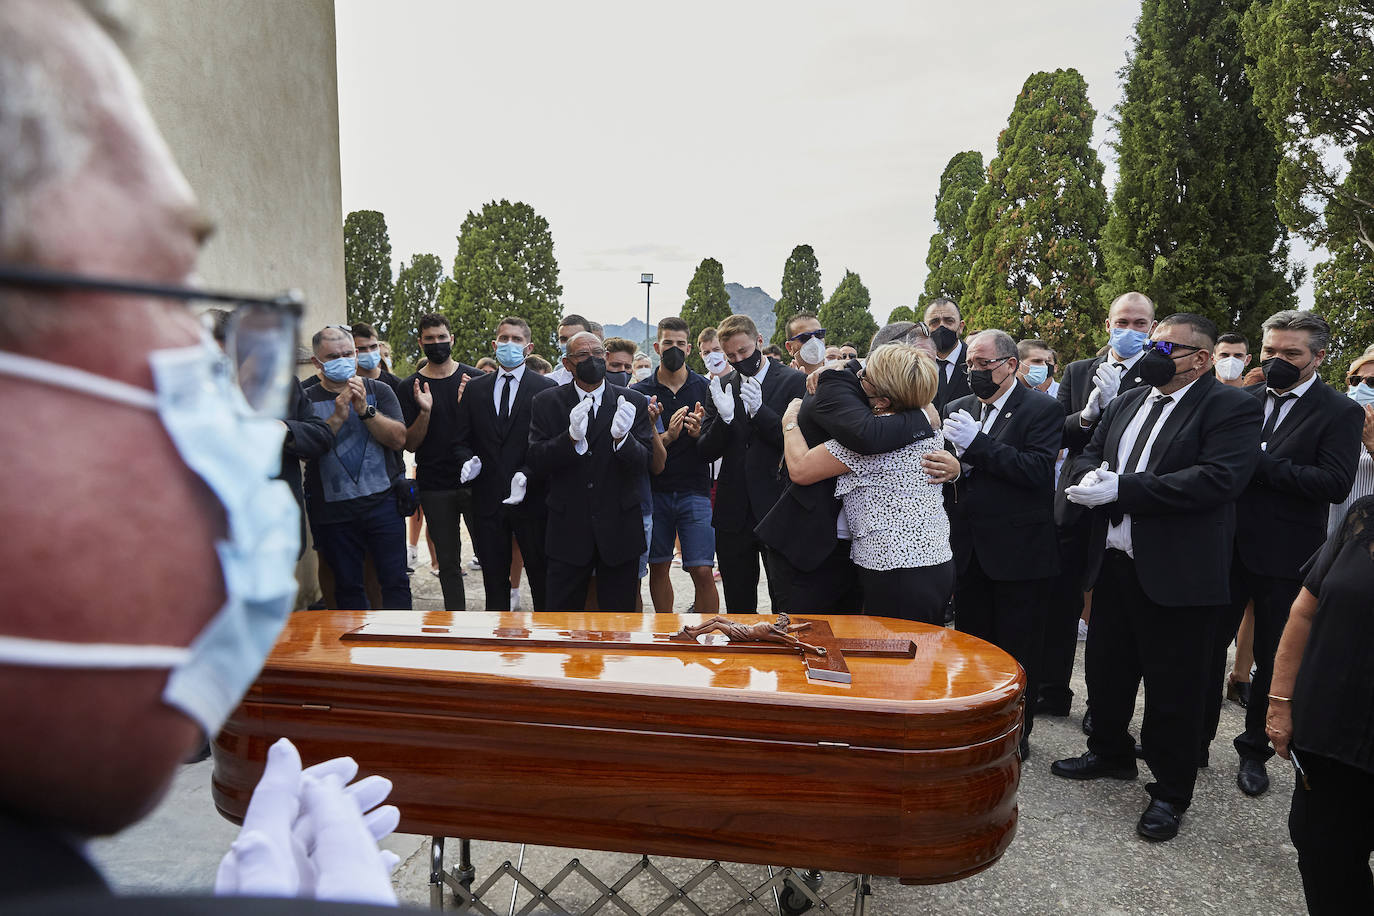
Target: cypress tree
pixel 1345 298
pixel 367 270
pixel 707 305
pixel 845 316
pixel 951 254
pixel 801 290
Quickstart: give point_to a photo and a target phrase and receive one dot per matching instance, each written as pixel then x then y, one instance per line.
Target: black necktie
pixel 1138 448
pixel 1273 420
pixel 943 384
pixel 504 414
pixel 591 410
pixel 982 420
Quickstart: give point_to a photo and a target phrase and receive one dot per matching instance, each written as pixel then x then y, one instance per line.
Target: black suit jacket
pixel 1002 506
pixel 503 450
pixel 750 448
pixel 801 524
pixel 1310 462
pixel 1182 506
pixel 1074 388
pixel 957 387
pixel 593 499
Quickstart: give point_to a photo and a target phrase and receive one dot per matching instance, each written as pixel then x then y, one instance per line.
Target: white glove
pixel 349 866
pixel 1097 488
pixel 624 418
pixel 577 420
pixel 960 428
pixel 1093 409
pixel 724 400
pixel 517 490
pixel 471 468
pixel 751 393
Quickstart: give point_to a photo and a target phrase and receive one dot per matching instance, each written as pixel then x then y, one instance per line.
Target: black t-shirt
pixel 436 462
pixel 1333 697
pixel 685 469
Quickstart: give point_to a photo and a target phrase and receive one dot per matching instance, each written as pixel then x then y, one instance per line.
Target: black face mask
pixel 750 364
pixel 1156 369
pixel 672 358
pixel 438 353
pixel 618 378
pixel 980 382
pixel 1280 374
pixel 944 339
pixel 591 370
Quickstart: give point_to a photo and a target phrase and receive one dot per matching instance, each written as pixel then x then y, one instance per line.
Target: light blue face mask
pixel 368 360
pixel 1362 395
pixel 510 354
pixel 1036 375
pixel 1127 343
pixel 341 369
pixel 237 455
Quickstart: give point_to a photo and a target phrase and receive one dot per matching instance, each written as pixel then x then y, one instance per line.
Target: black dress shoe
pixel 1024 748
pixel 1088 722
pixel 1252 778
pixel 1160 821
pixel 1139 751
pixel 1091 766
pixel 1058 708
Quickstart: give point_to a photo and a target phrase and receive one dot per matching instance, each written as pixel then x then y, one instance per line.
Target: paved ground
pixel 1075 850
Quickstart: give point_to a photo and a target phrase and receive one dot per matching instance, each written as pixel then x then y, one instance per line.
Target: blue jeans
pixel 382 533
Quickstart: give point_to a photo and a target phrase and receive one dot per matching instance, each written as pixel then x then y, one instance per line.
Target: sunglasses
pixel 1167 347
pixel 804 336
pixel 1366 380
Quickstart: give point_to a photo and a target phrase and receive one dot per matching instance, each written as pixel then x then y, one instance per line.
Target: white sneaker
pixel 412 557
pixel 474 563
pixel 1082 630
pixel 515 599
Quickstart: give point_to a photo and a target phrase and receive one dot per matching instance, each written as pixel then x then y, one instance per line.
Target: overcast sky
pixel 651 136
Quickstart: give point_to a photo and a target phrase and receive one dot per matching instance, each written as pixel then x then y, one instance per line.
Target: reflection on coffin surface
pixel 596 731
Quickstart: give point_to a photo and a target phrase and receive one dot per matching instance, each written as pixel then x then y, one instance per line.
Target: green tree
pixel 707 305
pixel 902 313
pixel 845 315
pixel 367 269
pixel 1312 68
pixel 952 247
pixel 1193 223
pixel 801 290
pixel 416 294
pixel 1038 267
pixel 1345 298
pixel 505 266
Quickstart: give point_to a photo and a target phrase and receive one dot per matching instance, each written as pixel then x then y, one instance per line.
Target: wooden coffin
pixel 910 770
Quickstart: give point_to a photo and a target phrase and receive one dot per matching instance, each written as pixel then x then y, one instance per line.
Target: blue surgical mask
pixel 1127 342
pixel 341 369
pixel 369 359
pixel 236 455
pixel 510 354
pixel 1036 375
pixel 1362 395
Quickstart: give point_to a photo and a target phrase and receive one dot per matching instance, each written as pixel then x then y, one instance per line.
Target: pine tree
pixel 1037 269
pixel 1193 223
pixel 845 316
pixel 902 313
pixel 367 270
pixel 1345 298
pixel 801 290
pixel 707 305
pixel 952 247
pixel 416 294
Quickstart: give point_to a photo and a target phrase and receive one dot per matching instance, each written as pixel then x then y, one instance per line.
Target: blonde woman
pixel 899 532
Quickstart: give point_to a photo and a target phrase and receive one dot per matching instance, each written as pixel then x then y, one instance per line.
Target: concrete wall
pixel 246 93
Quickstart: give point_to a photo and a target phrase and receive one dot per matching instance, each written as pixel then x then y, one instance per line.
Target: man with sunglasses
pixel 1160 476
pixel 806 342
pixel 1308 452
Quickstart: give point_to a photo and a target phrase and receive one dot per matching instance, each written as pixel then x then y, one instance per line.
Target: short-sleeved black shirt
pixel 685 470
pixel 1333 697
pixel 436 462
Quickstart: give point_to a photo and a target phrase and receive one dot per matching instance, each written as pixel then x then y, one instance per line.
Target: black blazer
pixel 751 474
pixel 1074 388
pixel 593 499
pixel 1182 506
pixel 801 524
pixel 503 450
pixel 1002 506
pixel 1309 463
pixel 957 386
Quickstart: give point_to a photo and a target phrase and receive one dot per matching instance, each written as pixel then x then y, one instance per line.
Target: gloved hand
pixel 960 428
pixel 518 483
pixel 1106 384
pixel 577 420
pixel 1097 488
pixel 724 400
pixel 624 418
pixel 349 867
pixel 751 393
pixel 471 468
pixel 1093 408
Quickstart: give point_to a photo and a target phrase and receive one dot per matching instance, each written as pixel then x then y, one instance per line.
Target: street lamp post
pixel 648 281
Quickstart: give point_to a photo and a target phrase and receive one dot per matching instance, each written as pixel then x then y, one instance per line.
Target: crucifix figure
pixel 780 632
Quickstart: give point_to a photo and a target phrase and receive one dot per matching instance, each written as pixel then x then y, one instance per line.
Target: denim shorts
pixel 684 516
pixel 648 539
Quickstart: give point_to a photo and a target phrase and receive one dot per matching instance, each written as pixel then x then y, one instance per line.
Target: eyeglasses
pixel 1366 380
pixel 804 336
pixel 260 334
pixel 598 353
pixel 1167 347
pixel 988 363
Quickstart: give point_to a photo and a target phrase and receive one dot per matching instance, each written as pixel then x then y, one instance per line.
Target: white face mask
pixel 236 455
pixel 715 362
pixel 812 352
pixel 1229 368
pixel 642 373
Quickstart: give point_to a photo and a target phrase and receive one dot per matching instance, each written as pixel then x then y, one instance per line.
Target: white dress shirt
pixel 986 422
pixel 561 375
pixel 516 375
pixel 946 363
pixel 1286 406
pixel 1119 535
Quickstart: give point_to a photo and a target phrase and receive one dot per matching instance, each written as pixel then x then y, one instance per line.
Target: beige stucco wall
pixel 246 93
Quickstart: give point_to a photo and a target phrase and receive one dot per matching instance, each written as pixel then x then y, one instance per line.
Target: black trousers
pixel 616 584
pixel 1060 645
pixel 917 593
pixel 1010 615
pixel 1273 597
pixel 739 554
pixel 443 509
pixel 1332 826
pixel 1132 638
pixel 494 533
pixel 831 588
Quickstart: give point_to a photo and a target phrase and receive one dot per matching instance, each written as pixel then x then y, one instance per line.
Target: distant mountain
pixel 751 301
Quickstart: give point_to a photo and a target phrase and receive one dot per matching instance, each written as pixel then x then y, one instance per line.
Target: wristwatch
pixel 370 412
